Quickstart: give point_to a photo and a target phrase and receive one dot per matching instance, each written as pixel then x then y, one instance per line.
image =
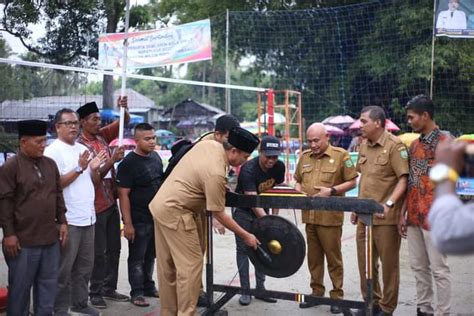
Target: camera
pixel 468 171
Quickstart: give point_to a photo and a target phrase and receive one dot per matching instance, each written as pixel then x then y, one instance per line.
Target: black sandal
pixel 139 301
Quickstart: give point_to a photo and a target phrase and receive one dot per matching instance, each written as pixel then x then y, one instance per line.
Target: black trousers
pixel 245 221
pixel 107 252
pixel 141 259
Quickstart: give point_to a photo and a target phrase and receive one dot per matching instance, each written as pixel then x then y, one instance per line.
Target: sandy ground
pixel 226 273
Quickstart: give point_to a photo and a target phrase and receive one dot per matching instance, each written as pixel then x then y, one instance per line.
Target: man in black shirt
pixel 256 176
pixel 139 178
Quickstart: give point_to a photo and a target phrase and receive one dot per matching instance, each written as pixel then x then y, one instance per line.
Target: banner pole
pixel 433 49
pixel 227 70
pixel 124 71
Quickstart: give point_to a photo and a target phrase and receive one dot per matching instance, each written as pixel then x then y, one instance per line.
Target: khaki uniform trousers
pixel 179 266
pixel 201 223
pixel 325 241
pixel 427 263
pixel 386 246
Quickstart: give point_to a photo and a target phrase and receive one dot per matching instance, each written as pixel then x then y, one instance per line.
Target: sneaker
pixel 88 310
pixel 115 296
pixel 98 302
pixel 245 300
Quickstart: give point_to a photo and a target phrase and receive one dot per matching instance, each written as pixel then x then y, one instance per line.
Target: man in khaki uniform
pixel 194 185
pixel 383 164
pixel 224 124
pixel 324 170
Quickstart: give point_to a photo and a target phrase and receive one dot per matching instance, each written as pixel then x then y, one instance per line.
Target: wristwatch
pixel 390 203
pixel 442 172
pixel 78 169
pixel 333 191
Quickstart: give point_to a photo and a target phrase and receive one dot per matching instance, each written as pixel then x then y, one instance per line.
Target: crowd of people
pixel 61 207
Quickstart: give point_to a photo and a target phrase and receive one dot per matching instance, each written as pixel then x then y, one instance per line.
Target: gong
pixel 282 249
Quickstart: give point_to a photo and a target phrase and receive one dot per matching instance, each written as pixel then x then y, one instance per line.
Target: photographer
pixel 452 222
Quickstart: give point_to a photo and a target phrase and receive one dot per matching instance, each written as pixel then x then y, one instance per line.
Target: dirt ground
pixel 226 273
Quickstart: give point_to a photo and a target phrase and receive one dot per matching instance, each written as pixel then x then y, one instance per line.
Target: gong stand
pixel 364 208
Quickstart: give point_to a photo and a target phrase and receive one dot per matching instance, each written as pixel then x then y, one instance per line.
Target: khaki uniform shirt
pixel 381 165
pixel 197 183
pixel 333 168
pixel 208 136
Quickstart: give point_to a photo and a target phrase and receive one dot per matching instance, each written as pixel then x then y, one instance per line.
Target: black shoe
pixel 361 312
pixel 307 304
pixel 336 309
pixel 420 313
pixel 266 299
pixel 98 302
pixel 203 301
pixel 382 313
pixel 115 296
pixel 245 300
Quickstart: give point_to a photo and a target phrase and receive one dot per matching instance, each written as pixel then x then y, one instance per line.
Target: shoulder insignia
pixel 403 153
pixel 348 163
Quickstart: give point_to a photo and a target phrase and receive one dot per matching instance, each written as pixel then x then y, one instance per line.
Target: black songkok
pixel 242 139
pixel 87 109
pixel 32 128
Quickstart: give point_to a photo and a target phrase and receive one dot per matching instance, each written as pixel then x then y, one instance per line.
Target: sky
pixel 16 45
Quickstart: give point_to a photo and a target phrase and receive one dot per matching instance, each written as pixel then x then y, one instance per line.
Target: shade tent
pixel 277 118
pixel 111 115
pixel 333 130
pixel 338 120
pixel 408 138
pixel 252 127
pixel 389 125
pixel 126 142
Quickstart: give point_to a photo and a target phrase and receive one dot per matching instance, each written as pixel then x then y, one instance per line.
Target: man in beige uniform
pixel 194 184
pixel 223 126
pixel 383 164
pixel 324 170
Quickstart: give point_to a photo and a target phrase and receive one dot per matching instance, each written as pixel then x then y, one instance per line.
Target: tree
pixel 71 30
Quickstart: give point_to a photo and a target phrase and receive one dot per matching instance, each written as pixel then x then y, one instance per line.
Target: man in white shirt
pixel 452 19
pixel 78 173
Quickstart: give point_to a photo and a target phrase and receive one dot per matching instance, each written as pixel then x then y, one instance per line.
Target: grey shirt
pixel 452 225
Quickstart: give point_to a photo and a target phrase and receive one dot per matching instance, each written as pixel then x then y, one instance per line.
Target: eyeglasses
pixel 70 123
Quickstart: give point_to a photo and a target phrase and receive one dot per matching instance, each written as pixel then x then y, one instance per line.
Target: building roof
pixel 191 108
pixel 42 107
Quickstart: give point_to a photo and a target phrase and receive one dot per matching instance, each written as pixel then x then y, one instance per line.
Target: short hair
pixel 59 114
pixel 421 103
pixel 227 145
pixel 225 123
pixel 375 113
pixel 143 127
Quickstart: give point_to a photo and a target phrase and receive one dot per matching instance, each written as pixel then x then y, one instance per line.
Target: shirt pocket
pixel 189 222
pixel 381 160
pixel 307 176
pixel 328 174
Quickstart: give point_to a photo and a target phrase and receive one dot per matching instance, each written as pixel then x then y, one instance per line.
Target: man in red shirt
pixel 103 283
pixel 425 260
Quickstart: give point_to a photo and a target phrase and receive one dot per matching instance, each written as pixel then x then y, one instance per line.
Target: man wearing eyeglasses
pixel 78 173
pixel 32 216
pixel 107 227
pixel 256 176
pixel 324 170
